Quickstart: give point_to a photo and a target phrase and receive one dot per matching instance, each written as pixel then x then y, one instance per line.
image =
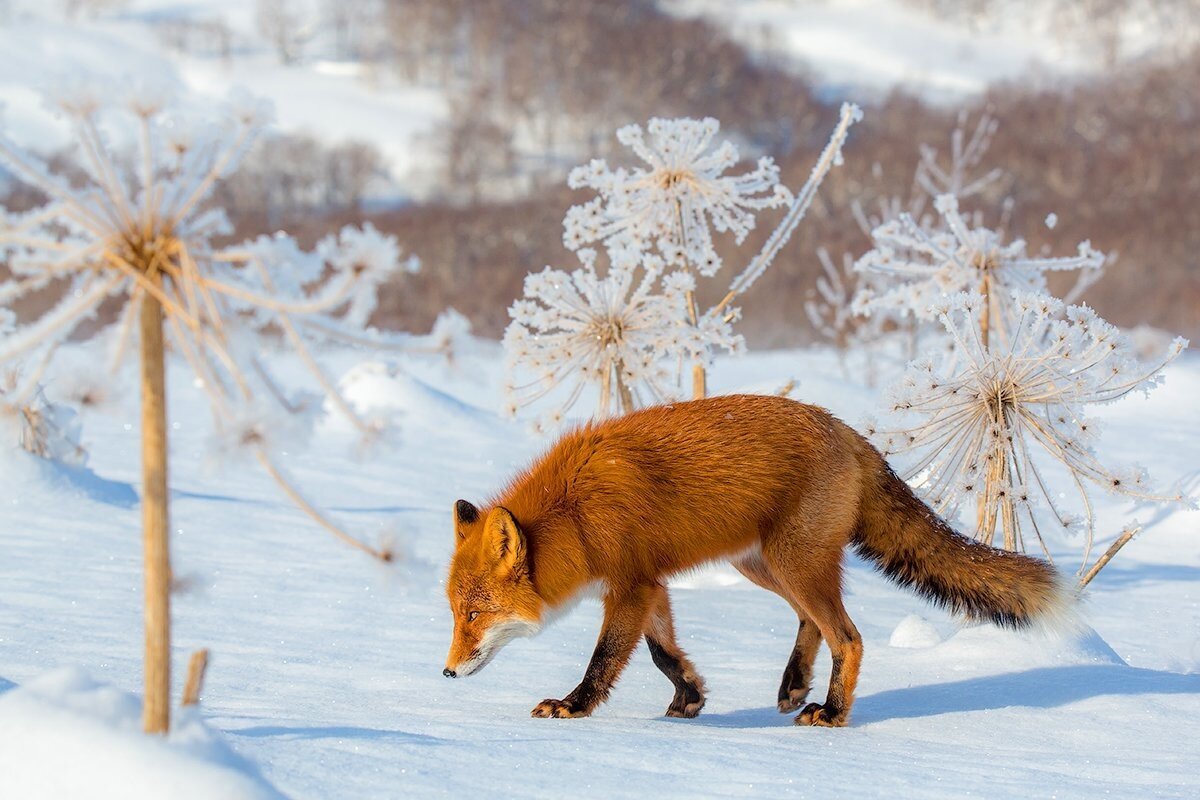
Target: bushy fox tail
pixel 914 547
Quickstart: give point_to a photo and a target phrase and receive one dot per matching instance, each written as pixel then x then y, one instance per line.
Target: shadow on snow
pixel 1044 687
pixel 333 732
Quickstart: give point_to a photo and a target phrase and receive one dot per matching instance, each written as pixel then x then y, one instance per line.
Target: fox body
pixel 775 487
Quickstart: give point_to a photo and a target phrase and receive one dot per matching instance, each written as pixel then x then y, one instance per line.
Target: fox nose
pixel 449 673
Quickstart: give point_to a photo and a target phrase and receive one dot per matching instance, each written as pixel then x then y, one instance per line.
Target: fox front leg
pixel 624 619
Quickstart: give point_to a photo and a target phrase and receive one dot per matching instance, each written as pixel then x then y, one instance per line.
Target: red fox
pixel 776 487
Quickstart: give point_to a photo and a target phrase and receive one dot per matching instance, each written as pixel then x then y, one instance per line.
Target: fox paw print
pixel 556 708
pixel 817 715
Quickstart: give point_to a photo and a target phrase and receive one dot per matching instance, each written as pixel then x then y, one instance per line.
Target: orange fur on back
pixel 663 490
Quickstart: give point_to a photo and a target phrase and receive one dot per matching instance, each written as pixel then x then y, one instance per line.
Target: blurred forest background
pixel 529 88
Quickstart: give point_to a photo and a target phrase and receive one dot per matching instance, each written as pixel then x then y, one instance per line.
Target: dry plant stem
pixel 799 207
pixel 623 392
pixel 986 312
pixel 699 379
pixel 317 516
pixel 699 382
pixel 605 390
pixel 195 677
pixel 297 341
pixel 1112 550
pixel 986 516
pixel 156 709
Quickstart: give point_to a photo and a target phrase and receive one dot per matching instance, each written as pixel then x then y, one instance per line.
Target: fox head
pixel 491 594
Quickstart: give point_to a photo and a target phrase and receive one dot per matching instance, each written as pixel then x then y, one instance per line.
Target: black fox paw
pixel 792 699
pixel 556 708
pixel 817 715
pixel 687 704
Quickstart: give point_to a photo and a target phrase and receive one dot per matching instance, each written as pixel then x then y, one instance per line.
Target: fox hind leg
pixel 670 658
pixel 813 581
pixel 797 675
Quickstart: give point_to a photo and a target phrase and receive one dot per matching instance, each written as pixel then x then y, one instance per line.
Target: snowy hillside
pixel 334 101
pixel 326 668
pixel 877 45
pixel 854 49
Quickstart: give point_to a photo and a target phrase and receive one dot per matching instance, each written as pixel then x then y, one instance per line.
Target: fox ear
pixel 505 539
pixel 464 514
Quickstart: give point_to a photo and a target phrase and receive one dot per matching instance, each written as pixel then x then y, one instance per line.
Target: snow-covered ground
pixel 326 668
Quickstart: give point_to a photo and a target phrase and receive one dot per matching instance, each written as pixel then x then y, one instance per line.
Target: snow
pixel 878 45
pixel 913 632
pixel 332 101
pixel 65 735
pixel 326 667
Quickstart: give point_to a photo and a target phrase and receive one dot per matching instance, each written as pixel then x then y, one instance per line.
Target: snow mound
pixel 376 387
pixel 27 476
pixel 915 632
pixel 65 735
pixel 1022 650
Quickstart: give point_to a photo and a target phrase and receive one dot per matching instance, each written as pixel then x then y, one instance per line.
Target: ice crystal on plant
pixel 677 199
pixel 366 258
pixel 966 154
pixel 978 428
pixel 587 328
pixel 830 310
pixel 579 329
pixel 931 264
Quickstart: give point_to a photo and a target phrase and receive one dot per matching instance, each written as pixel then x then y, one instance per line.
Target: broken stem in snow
pixel 1112 550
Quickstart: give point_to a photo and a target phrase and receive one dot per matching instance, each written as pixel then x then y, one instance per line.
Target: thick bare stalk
pixel 195 677
pixel 623 391
pixel 605 389
pixel 699 382
pixel 156 710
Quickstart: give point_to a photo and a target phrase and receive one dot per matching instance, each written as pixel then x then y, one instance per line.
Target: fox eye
pixel 471 617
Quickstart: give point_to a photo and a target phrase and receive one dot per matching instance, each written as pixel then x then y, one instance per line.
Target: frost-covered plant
pixel 929 264
pixel 677 199
pixel 448 338
pixel 582 328
pixel 668 209
pixel 144 236
pixel 960 177
pixel 977 429
pixel 33 423
pixel 614 330
pixel 933 178
pixel 830 310
pixel 139 233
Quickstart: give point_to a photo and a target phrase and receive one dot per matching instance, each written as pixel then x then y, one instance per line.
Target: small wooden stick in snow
pixel 195 677
pixel 1112 550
